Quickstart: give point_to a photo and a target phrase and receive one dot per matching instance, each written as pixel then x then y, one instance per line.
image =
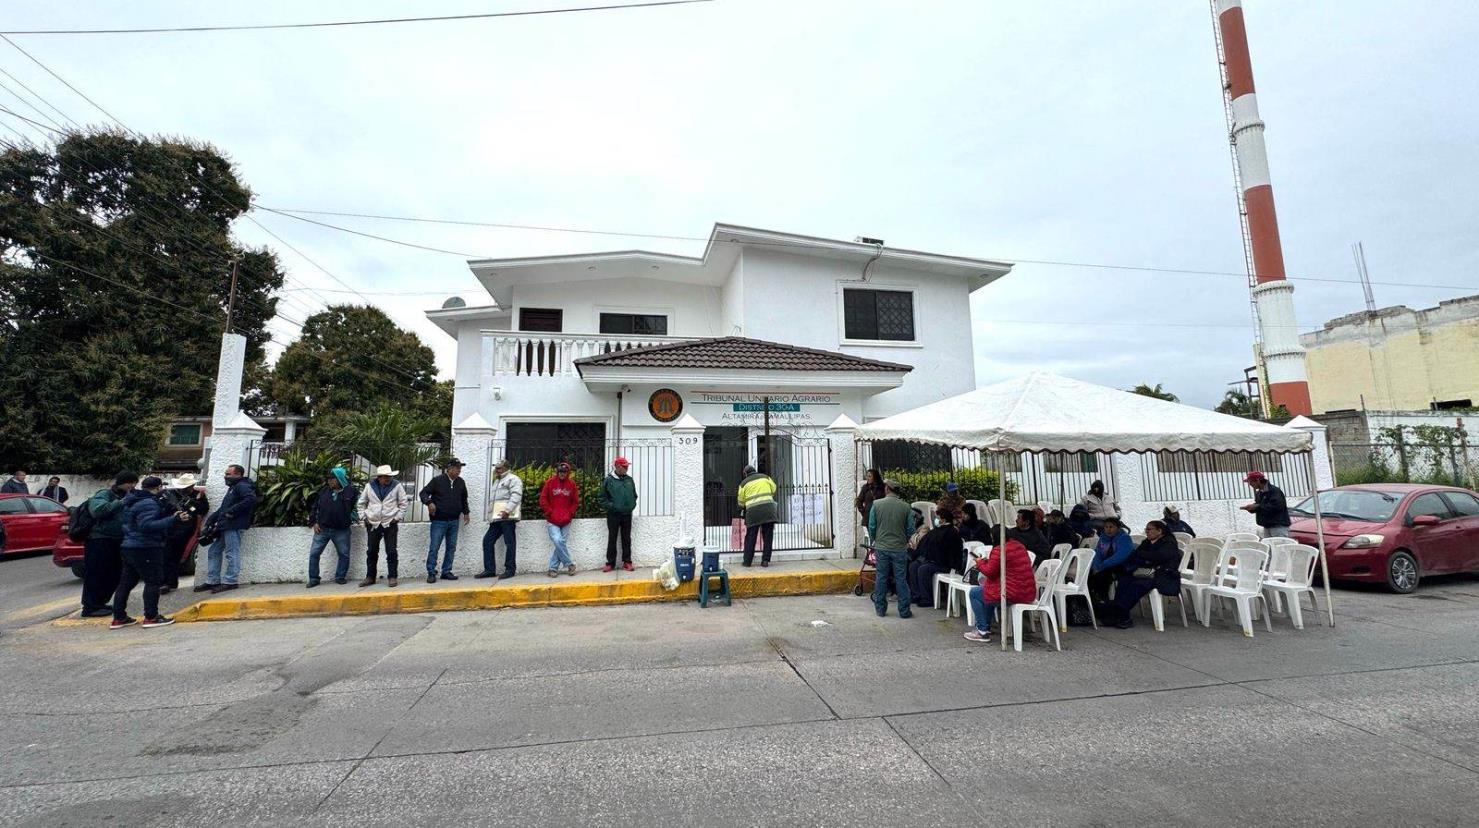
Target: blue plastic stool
pixel 703 587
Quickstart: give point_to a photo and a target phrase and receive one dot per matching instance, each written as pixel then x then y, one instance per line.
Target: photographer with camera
pixel 99 524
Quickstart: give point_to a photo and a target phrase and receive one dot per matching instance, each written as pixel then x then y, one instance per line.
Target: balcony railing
pixel 554 354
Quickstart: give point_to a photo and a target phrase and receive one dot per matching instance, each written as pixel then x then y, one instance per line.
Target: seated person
pixel 1027 534
pixel 1080 522
pixel 973 528
pixel 952 499
pixel 941 551
pixel 1154 564
pixel 1172 518
pixel 920 530
pixel 1021 586
pixel 1058 531
pixel 1110 553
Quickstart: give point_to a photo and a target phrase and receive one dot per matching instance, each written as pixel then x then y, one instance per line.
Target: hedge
pixel 974 484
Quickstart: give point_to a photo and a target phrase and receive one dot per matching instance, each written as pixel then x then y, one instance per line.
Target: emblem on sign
pixel 665 405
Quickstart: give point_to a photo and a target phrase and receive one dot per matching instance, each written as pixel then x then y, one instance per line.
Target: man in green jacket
pixel 102 561
pixel 890 523
pixel 618 497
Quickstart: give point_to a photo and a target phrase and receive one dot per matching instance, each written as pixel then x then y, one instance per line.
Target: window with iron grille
pixel 184 434
pixel 883 315
pixel 1071 462
pixel 547 320
pixel 646 324
pixel 582 445
pixel 1214 462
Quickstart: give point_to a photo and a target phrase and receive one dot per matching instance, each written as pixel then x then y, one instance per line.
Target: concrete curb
pixel 381 602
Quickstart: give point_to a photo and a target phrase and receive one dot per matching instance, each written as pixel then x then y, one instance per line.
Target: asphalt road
pixel 750 715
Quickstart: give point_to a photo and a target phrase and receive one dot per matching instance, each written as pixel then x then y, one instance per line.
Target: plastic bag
pixel 667 575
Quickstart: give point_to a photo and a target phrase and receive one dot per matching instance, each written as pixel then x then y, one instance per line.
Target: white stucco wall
pixel 797 299
pixel 692 310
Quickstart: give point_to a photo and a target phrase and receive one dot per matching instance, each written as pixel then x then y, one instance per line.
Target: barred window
pixel 886 315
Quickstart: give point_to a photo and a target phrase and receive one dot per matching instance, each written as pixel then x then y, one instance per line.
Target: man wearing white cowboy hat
pixel 382 505
pixel 185 494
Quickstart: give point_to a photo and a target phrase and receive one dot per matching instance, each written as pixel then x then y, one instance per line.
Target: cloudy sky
pixel 1030 131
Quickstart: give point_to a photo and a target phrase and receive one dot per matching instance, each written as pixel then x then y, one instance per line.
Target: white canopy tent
pixel 1047 413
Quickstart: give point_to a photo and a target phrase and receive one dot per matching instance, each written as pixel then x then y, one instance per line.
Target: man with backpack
pixel 146 521
pixel 98 524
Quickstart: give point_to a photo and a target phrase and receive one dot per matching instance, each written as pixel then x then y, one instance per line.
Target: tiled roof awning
pixel 738 353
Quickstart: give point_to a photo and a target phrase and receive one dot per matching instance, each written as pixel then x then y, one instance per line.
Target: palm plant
pixel 286 490
pixel 388 434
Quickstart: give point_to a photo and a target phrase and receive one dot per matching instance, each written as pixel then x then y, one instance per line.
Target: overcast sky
pixel 1066 131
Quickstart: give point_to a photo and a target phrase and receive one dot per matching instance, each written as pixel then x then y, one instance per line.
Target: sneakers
pixel 448 576
pixel 977 635
pixel 553 573
pixel 220 588
pixel 157 621
pixel 607 568
pixel 126 622
pixel 204 587
pixel 570 570
pixel 627 565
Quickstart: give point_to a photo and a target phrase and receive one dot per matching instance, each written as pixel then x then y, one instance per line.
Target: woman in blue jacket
pixel 1111 552
pixel 146 524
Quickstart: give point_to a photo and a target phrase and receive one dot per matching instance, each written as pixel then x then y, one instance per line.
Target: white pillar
pixel 228 380
pixel 472 443
pixel 1324 469
pixel 229 443
pixel 688 477
pixel 842 434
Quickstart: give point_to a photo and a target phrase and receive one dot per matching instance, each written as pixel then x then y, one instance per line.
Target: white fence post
pixel 1324 471
pixel 472 443
pixel 842 434
pixel 688 476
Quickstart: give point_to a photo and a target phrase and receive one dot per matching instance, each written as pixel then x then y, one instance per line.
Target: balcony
pixel 529 354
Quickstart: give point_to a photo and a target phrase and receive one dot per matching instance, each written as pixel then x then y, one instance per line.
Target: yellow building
pixel 1396 359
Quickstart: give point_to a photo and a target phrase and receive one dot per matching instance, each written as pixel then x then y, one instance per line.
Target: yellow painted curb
pixel 582 593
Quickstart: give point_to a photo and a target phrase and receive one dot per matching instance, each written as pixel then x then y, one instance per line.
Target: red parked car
pixel 30 522
pixel 1393 533
pixel 68 553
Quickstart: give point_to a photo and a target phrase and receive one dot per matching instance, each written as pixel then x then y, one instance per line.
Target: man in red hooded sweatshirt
pixel 559 499
pixel 1021 586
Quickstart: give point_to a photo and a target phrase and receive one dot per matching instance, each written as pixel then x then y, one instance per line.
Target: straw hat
pixel 184 481
pixel 386 471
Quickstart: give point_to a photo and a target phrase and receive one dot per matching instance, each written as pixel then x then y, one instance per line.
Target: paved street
pixel 751 715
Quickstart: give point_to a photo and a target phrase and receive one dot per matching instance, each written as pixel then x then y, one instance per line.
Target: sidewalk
pixel 592 588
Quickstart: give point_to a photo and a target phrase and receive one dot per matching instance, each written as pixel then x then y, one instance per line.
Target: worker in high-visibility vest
pixel 757 499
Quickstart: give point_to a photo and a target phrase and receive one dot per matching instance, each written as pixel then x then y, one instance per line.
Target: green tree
pixel 1238 404
pixel 349 359
pixel 395 435
pixel 115 263
pixel 1157 392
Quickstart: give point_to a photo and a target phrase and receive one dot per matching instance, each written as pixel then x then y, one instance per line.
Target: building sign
pixel 665 405
pixel 750 408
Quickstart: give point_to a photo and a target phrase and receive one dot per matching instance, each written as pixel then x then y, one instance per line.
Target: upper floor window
pixel 884 315
pixel 551 320
pixel 647 324
pixel 184 434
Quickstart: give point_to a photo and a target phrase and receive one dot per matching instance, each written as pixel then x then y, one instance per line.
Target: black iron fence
pixel 308 461
pixel 802 470
pixel 1173 476
pixel 1444 463
pixel 534 462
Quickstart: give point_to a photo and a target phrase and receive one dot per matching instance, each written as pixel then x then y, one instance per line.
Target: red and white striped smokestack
pixel 1272 294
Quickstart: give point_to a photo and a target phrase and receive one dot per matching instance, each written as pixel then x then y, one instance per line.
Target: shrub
pixel 388 434
pixel 534 476
pixel 286 490
pixel 975 484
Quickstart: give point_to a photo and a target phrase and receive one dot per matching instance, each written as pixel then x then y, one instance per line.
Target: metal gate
pixel 802 470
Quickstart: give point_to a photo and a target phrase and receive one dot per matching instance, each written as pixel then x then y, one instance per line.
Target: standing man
pixel 55 490
pixel 146 521
pixel 185 494
pixel 446 501
pixel 559 499
pixel 890 523
pixel 101 549
pixel 757 499
pixel 618 498
pixel 16 484
pixel 506 496
pixel 1270 510
pixel 382 505
pixel 332 513
pixel 230 519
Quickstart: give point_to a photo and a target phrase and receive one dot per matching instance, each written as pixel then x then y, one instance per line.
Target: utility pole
pixel 231 301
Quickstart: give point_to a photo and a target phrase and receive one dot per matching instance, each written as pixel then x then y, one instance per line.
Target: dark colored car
pixel 68 553
pixel 1393 533
pixel 30 521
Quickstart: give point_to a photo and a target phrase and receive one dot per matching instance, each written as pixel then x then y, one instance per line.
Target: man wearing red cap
pixel 618 497
pixel 1269 507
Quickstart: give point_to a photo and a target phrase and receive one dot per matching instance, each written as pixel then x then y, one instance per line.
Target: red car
pixel 1393 533
pixel 30 522
pixel 68 553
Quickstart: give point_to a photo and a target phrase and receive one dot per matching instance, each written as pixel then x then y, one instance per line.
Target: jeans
pixel 893 565
pixel 766 531
pixel 442 529
pixel 321 538
pixel 101 567
pixel 559 559
pixel 507 530
pixel 1274 531
pixel 228 545
pixel 389 534
pixel 618 523
pixel 982 608
pixel 140 563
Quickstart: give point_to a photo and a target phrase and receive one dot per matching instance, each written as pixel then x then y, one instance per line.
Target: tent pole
pixel 1001 549
pixel 1309 459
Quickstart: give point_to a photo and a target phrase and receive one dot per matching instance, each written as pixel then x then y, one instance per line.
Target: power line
pixel 299 214
pixel 365 22
pixel 65 82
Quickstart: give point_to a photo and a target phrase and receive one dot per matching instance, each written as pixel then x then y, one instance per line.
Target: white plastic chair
pixel 1137 537
pixel 1000 512
pixel 980 505
pixel 974 549
pixel 1182 538
pixel 1046 506
pixel 1089 542
pixel 1044 604
pixel 1060 550
pixel 1237 536
pixel 961 587
pixel 1075 584
pixel 1296 582
pixel 927 509
pixel 1246 588
pixel 1204 560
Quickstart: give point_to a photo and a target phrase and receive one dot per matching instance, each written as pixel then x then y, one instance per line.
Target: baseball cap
pixel 951 487
pixel 622 461
pixel 1254 475
pixel 150 482
pixel 453 462
pixel 562 466
pixel 1171 507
